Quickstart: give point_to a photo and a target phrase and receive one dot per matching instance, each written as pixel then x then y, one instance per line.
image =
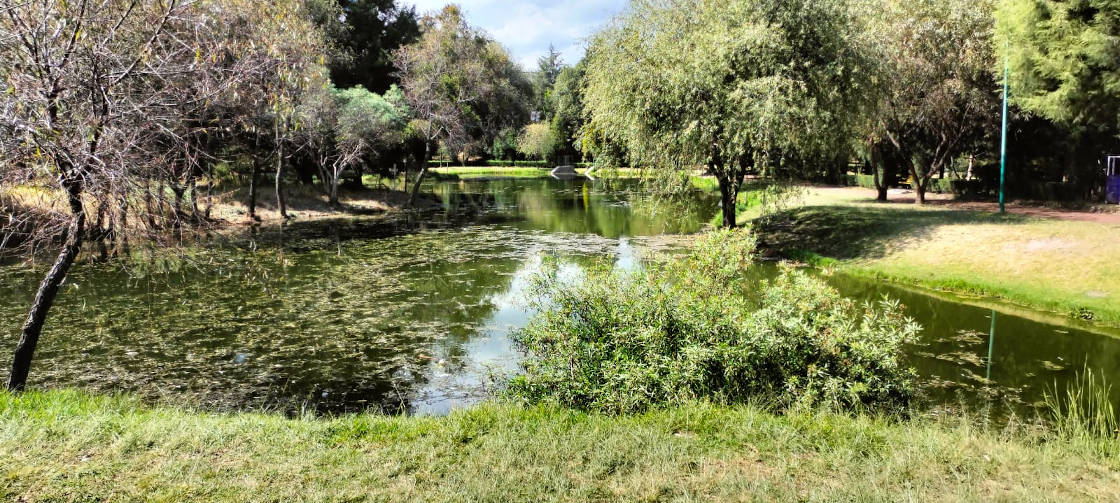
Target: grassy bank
pixel 524 172
pixel 490 171
pixel 1063 266
pixel 67 446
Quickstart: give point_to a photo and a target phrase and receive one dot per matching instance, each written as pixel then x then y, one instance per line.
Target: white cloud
pixel 527 28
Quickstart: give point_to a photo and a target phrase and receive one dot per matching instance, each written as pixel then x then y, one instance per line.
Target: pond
pixel 414 314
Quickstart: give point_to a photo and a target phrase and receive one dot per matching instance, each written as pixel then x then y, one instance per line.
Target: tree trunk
pixel 419 178
pixel 209 192
pixel 880 174
pixel 727 195
pixel 332 198
pixel 416 185
pixel 48 289
pixel 121 233
pixel 150 213
pixel 253 188
pixel 177 211
pixel 193 187
pixel 280 203
pixel 919 190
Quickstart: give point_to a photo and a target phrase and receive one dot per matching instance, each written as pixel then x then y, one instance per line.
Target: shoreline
pixel 1061 265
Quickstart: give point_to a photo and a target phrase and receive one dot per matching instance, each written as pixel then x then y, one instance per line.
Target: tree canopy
pixel 936 92
pixel 1064 58
pixel 726 85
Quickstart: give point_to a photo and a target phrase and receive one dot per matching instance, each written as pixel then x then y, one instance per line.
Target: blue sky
pixel 527 27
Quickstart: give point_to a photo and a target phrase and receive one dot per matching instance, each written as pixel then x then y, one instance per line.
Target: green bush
pixel 705 326
pixel 865 181
pixel 941 186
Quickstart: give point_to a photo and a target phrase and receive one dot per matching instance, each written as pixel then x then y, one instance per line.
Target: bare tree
pixel 106 97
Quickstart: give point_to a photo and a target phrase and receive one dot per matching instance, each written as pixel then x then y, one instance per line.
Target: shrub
pixel 865 181
pixel 706 326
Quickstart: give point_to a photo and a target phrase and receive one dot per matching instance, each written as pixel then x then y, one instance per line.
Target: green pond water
pixel 414 314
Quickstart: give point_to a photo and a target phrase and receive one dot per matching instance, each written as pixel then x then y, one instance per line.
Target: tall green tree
pixel 1064 66
pixel 936 94
pixel 369 33
pixel 549 67
pixel 567 107
pixel 1064 58
pixel 725 84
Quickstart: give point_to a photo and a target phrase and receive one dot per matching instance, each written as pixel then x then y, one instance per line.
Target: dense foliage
pixel 699 327
pixel 732 86
pixel 937 97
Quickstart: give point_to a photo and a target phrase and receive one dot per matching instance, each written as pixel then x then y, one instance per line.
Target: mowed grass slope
pixel 1069 267
pixel 68 446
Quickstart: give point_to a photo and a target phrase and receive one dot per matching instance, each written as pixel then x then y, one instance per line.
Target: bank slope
pixel 67 446
pixel 1063 266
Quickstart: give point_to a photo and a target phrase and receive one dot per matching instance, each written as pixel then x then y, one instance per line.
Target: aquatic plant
pixel 1083 407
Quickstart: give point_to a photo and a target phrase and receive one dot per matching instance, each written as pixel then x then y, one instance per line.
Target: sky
pixel 526 27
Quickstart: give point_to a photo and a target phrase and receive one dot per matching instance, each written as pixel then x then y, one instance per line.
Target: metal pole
pixel 1003 139
pixel 991 344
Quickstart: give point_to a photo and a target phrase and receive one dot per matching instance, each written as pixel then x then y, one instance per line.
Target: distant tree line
pixel 908 89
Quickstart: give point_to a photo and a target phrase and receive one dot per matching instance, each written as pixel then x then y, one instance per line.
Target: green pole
pixel 991 344
pixel 1003 139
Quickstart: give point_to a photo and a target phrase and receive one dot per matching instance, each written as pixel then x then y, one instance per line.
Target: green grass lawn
pixel 1068 267
pixel 486 171
pixel 68 446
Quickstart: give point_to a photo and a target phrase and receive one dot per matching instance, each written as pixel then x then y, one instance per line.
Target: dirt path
pixel 1108 214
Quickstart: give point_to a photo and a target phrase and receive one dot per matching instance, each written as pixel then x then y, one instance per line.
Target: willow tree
pixel 936 94
pixel 724 84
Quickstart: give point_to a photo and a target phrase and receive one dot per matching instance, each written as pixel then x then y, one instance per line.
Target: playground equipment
pixel 1112 179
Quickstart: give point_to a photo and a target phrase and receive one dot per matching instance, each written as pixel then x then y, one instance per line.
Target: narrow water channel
pixel 414 315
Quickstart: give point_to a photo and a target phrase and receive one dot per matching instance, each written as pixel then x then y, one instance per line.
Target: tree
pixel 79 78
pixel 462 87
pixel 371 31
pixel 104 97
pixel 567 108
pixel 288 50
pixel 344 127
pixel 727 85
pixel 1064 58
pixel 505 144
pixel 549 67
pixel 1064 66
pixel 537 140
pixel 933 60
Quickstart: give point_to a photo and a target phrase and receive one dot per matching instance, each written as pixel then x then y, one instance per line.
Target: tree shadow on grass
pixel 859 232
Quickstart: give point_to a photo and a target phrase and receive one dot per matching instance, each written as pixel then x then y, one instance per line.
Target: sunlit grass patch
pixel 1062 266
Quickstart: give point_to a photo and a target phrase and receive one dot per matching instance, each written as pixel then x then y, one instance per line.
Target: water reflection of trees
pixel 609 208
pixel 333 316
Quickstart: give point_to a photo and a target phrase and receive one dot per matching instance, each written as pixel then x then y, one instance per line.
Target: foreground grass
pixel 1066 267
pixel 68 446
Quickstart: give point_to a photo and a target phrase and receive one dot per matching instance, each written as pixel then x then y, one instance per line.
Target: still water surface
pixel 415 315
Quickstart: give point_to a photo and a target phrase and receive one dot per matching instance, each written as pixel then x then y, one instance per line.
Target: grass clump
pixel 703 327
pixel 1083 409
